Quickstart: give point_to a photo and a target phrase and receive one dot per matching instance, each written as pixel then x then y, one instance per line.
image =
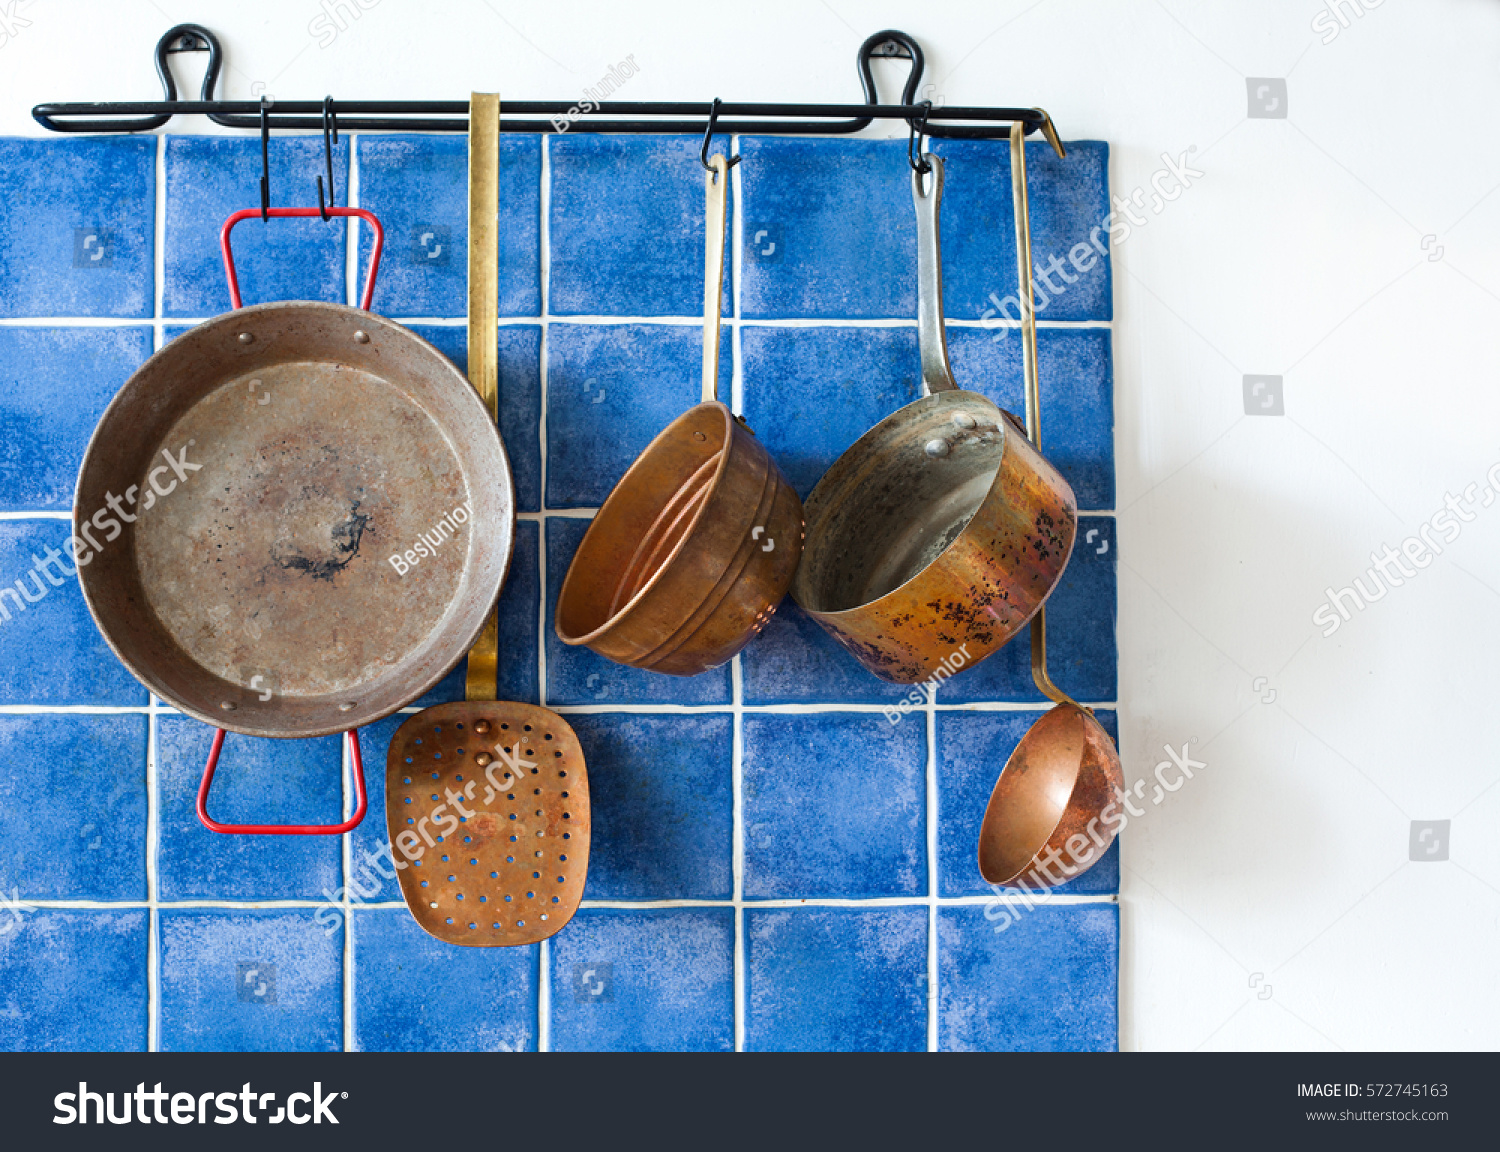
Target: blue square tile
pixel 835 805
pixel 74 981
pixel 79 232
pixel 250 980
pixel 657 980
pixel 83 777
pixel 1047 981
pixel 257 782
pixel 661 795
pixel 56 383
pixel 626 227
pixel 812 392
pixel 972 748
pixel 413 993
pixel 1076 375
pixel 1082 656
pixel 576 675
pixel 50 651
pixel 793 661
pixel 418 187
pixel 520 362
pixel 1068 200
pixel 830 229
pixel 836 979
pixel 209 178
pixel 371 873
pixel 610 390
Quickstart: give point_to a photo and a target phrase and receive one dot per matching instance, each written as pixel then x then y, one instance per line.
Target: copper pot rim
pixel 866 445
pixel 616 500
pixel 504 531
pixel 1038 731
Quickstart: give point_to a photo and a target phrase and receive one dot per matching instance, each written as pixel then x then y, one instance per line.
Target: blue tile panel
pixel 50 651
pixel 839 894
pixel 54 385
pixel 250 980
pixel 1047 979
pixel 73 807
pixel 78 237
pixel 662 804
pixel 413 993
pixel 418 187
pixel 654 980
pixel 972 748
pixel 626 227
pixel 73 980
pixel 836 979
pixel 209 178
pixel 835 806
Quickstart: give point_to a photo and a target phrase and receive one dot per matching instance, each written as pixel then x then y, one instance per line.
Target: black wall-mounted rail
pixel 608 116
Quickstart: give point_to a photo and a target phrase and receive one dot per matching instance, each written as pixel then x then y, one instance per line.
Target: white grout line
pixel 607 709
pixel 932 870
pixel 737 670
pixel 346 841
pixel 153 891
pixel 1017 900
pixel 354 282
pixel 544 996
pixel 544 245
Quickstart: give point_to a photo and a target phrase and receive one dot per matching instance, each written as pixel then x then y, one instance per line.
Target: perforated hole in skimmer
pixel 456 830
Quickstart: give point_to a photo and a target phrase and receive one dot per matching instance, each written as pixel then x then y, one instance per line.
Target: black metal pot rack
pixel 608 116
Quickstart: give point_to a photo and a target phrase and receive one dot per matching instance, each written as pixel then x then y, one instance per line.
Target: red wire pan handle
pixel 234 282
pixel 283 829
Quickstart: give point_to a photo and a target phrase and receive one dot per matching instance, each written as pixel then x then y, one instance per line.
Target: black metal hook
pixel 265 159
pixel 914 142
pixel 182 38
pixel 713 118
pixel 330 138
pixel 890 45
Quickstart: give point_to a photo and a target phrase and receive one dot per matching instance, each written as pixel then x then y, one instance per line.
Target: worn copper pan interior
pixel 697 543
pixel 258 593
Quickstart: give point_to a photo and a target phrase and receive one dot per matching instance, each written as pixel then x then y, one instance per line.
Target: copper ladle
pixel 1049 809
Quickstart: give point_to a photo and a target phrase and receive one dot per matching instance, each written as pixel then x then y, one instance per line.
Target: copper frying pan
pixel 251 586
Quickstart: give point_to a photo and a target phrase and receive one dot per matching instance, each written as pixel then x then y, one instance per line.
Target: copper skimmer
pixel 1048 817
pixel 487 802
pixel 696 546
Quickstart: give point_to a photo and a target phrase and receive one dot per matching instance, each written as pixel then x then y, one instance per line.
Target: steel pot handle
pixel 246 214
pixel 283 829
pixel 931 338
pixel 716 203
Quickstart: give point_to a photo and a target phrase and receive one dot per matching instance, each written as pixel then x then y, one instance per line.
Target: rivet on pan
pixel 361 337
pixel 482 758
pixel 227 705
pixel 481 726
pixel 937 448
pixel 347 706
pixel 699 436
pixel 963 420
pixel 247 338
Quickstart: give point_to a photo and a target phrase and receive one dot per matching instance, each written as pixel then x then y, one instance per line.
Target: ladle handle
pixel 936 373
pixel 283 829
pixel 715 213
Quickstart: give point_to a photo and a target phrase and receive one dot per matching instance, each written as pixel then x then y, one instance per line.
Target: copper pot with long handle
pixel 941 532
pixel 695 547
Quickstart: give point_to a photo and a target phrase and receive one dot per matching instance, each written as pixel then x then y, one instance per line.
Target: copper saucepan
pixel 1050 807
pixel 695 547
pixel 254 586
pixel 942 530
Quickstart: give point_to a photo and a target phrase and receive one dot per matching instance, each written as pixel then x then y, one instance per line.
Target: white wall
pixel 1352 248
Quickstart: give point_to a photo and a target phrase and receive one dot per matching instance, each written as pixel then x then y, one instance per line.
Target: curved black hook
pixel 914 142
pixel 708 134
pixel 330 138
pixel 890 45
pixel 265 159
